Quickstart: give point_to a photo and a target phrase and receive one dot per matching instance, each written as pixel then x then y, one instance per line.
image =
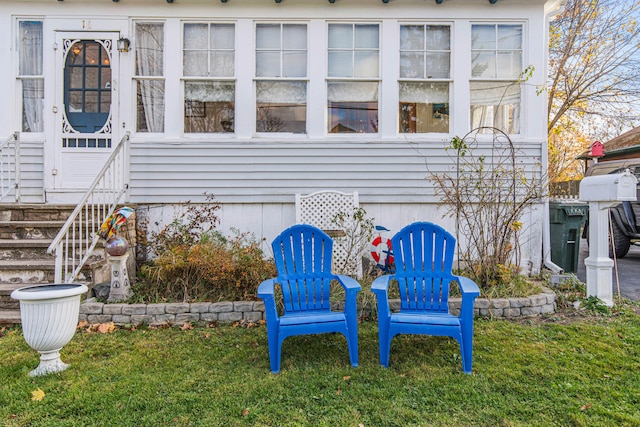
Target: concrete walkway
pixel 628 272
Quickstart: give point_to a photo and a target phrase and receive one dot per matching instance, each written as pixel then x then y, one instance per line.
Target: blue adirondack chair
pixel 303 258
pixel 423 255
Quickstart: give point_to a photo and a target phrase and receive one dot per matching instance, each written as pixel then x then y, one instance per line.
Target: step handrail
pixel 10 157
pixel 74 244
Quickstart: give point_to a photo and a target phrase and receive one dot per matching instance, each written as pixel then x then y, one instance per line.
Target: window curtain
pixel 424 92
pixel 496 104
pixel 352 91
pixel 30 64
pixel 149 63
pixel 281 92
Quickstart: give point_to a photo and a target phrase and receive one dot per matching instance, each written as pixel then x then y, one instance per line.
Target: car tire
pixel 620 241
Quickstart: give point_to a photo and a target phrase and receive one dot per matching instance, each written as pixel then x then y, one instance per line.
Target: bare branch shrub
pixel 487 195
pixel 358 232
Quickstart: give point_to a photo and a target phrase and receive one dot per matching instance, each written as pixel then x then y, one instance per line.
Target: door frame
pixel 55 188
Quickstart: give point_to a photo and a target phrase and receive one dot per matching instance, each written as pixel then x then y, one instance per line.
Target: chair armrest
pixel 470 291
pixel 468 286
pixel 266 288
pixel 348 283
pixel 381 284
pixel 380 287
pixel 266 292
pixel 351 289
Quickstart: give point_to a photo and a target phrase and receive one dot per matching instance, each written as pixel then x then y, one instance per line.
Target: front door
pixel 86 111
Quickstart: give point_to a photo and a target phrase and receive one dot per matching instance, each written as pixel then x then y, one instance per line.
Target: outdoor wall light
pixel 123 44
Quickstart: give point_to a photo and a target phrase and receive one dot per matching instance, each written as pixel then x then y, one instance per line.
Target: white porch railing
pixel 10 166
pixel 77 239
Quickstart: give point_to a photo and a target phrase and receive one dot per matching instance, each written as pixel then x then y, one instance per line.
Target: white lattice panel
pixel 318 209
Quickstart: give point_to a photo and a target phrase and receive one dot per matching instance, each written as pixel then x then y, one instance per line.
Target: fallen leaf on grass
pixel 585 407
pixel 339 392
pixel 37 394
pixel 346 377
pixel 245 412
pixel 105 328
pixel 187 326
pixel 83 324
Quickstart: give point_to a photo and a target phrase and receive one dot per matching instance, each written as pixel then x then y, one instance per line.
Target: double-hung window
pixel 496 64
pixel 425 62
pixel 281 73
pixel 353 78
pixel 30 74
pixel 209 68
pixel 149 77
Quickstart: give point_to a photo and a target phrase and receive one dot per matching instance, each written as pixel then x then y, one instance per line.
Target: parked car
pixel 625 217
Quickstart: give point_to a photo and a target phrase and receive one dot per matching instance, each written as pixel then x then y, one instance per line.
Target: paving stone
pixel 500 303
pixel 511 312
pixel 229 316
pixel 252 316
pixel 220 307
pixel 520 302
pixel 99 318
pixel 209 317
pixel 113 308
pixel 135 309
pixel 177 308
pixel 156 308
pixel 91 308
pixel 482 303
pixel 547 308
pixel 538 300
pixel 243 306
pixel 186 318
pixel 530 311
pixel 160 319
pixel 139 319
pixel 121 319
pixel 200 307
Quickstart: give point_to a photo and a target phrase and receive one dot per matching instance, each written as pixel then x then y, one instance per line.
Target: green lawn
pixel 583 372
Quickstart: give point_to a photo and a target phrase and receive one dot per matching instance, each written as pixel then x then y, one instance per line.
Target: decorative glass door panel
pixel 87 94
pixel 86 109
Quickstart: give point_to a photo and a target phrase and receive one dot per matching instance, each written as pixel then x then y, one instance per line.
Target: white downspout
pixel 552 9
pixel 546 241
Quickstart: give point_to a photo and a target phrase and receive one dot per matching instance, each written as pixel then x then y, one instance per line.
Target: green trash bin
pixel 566 221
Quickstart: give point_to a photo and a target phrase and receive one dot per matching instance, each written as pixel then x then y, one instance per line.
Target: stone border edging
pixel 253 311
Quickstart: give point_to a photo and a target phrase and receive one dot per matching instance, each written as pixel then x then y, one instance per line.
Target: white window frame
pixel 352 79
pixel 210 78
pixel 426 79
pixel 496 79
pixel 20 78
pixel 163 78
pixel 256 79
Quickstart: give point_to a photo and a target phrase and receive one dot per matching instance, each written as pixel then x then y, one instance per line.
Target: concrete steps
pixel 26 231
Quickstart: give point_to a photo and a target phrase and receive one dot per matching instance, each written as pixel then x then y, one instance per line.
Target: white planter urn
pixel 49 315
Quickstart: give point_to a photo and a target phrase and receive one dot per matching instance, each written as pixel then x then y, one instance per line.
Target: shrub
pixel 488 193
pixel 192 261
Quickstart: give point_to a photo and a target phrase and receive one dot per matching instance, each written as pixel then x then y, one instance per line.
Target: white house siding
pixel 31 170
pixel 256 176
pixel 257 183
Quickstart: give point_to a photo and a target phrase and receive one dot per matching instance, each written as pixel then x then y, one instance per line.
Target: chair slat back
pixel 423 255
pixel 303 258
